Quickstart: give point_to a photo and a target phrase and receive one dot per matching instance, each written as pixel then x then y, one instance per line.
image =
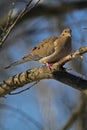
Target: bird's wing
pixel 43 49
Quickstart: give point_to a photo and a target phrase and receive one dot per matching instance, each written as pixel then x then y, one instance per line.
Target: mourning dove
pixel 50 50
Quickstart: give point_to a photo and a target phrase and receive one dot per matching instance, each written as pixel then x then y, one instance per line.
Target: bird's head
pixel 66 32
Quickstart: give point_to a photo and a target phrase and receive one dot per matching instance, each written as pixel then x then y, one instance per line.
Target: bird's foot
pixel 49 65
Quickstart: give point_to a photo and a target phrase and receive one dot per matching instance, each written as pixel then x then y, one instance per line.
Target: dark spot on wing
pixel 38 47
pixel 42 45
pixel 34 48
pixel 24 57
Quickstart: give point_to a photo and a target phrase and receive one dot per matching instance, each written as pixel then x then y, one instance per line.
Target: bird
pixel 49 50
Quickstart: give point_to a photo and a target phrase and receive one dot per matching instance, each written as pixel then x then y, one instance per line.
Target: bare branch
pixel 24 89
pixel 74 116
pixel 20 15
pixel 57 72
pixel 44 9
pixel 73 55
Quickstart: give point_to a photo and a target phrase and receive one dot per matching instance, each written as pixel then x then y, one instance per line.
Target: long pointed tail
pixel 24 59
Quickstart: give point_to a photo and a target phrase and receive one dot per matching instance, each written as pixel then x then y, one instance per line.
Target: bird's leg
pixel 49 65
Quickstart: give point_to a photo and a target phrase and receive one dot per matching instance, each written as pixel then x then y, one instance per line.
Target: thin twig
pixel 75 115
pixel 24 89
pixel 9 19
pixel 20 15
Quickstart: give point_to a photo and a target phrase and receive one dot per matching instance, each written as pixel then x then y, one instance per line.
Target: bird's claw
pixel 49 65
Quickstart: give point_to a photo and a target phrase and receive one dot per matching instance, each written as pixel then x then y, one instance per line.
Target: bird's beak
pixel 69 35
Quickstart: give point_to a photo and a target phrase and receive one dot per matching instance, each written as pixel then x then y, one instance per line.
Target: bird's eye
pixel 65 31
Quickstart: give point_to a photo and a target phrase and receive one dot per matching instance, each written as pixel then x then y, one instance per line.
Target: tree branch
pixel 9 28
pixel 46 10
pixel 78 112
pixel 57 72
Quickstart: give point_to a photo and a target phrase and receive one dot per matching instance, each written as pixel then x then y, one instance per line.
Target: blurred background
pixel 49 105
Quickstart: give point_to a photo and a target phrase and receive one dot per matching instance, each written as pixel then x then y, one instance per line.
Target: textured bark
pixel 57 72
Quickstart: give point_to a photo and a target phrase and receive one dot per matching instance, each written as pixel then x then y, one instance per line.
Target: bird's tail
pixel 22 60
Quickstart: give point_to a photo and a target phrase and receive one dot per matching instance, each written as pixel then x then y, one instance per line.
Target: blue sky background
pixel 50 103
